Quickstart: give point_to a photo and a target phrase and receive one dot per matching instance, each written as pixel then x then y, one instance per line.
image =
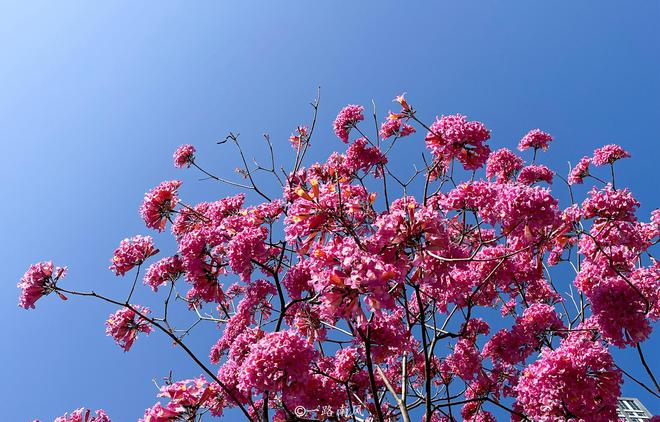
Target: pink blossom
pixel 206 214
pixel 539 291
pixel 537 320
pixel 346 363
pixel 201 265
pixel 527 210
pixel 474 327
pixel 277 361
pixel 247 245
pixel 229 374
pixel 307 320
pixel 240 346
pixel 159 203
pixel 536 139
pixel 84 415
pixel 158 413
pixel 361 157
pixel 297 280
pixel 255 300
pixel 350 279
pixel 535 173
pixel 580 171
pixel 189 397
pixel 217 238
pixel 435 417
pixel 473 410
pixel 405 107
pixel 131 253
pixel 455 137
pixel 465 360
pixel 348 117
pixel 388 335
pixel 478 196
pixel 515 345
pixel 480 416
pixel 620 310
pixel 611 204
pixel 623 308
pixel 160 273
pixel 39 280
pixel 267 212
pixel 608 154
pixel 315 209
pixel 184 156
pixel 655 216
pixel 577 380
pixel 320 394
pixel 507 347
pixel 503 164
pixel 300 138
pixel 395 127
pixel 125 324
pixel 343 272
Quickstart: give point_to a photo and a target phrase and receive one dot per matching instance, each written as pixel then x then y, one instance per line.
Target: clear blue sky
pixel 97 95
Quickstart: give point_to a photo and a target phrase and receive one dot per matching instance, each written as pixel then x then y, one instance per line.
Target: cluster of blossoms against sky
pixel 349 292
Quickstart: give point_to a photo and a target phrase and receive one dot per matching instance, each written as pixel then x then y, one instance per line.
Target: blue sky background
pixel 97 95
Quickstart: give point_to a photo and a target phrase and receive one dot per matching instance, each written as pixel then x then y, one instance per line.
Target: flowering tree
pixel 344 296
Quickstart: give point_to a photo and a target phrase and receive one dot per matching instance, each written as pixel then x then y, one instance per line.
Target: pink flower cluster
pixel 131 253
pixel 536 139
pixel 297 280
pixel 159 203
pixel 39 280
pixel 608 154
pixel 255 299
pixel 464 361
pixel 518 208
pixel 580 171
pixel 625 297
pixel 125 324
pixel 394 126
pixel 534 174
pixel 243 247
pixel 361 157
pixel 188 399
pixel 347 118
pixel 503 164
pixel 158 413
pixel 84 415
pixel 528 333
pixel 277 361
pixel 318 207
pixel 473 410
pixel 610 204
pixel 388 335
pixel 333 296
pixel 202 245
pixel 623 309
pixel 343 273
pixel 576 381
pixel 220 236
pixel 454 137
pixel 184 156
pixel 300 138
pixel 166 270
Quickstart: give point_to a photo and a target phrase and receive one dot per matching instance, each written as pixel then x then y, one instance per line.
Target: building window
pixel 632 410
